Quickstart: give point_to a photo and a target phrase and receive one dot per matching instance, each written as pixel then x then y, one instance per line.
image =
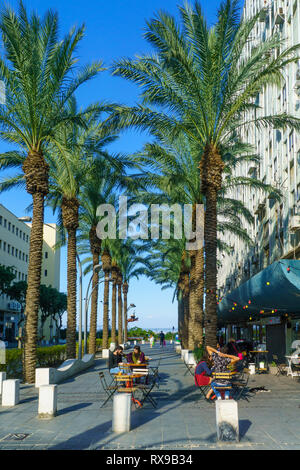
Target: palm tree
pixel 199 82
pixel 36 69
pixel 106 266
pixel 100 187
pixel 70 166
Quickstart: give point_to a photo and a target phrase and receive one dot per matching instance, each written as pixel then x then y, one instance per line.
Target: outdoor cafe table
pixel 257 354
pixel 129 387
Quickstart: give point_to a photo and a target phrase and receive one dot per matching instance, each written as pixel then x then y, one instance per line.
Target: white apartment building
pixel 14 252
pixel 276 227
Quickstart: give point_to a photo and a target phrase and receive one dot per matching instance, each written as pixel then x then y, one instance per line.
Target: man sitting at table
pixel 136 357
pixel 114 360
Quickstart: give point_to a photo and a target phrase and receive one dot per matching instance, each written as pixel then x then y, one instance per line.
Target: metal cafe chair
pixel 281 368
pixel 109 389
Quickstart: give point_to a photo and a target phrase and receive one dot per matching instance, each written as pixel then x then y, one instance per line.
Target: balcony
pixel 263 14
pixel 279 17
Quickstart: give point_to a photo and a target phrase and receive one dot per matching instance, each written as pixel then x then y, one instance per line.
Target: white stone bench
pixel 69 368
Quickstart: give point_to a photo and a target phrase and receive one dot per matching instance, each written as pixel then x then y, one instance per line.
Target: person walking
pixel 152 340
pixel 161 338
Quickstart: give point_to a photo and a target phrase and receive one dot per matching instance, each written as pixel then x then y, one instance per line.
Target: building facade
pixel 276 228
pixel 14 252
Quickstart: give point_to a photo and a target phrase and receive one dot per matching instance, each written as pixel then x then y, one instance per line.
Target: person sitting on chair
pixel 136 357
pixel 221 360
pixel 115 359
pixel 203 371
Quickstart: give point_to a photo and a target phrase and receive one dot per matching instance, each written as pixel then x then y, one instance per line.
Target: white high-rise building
pixel 14 253
pixel 276 228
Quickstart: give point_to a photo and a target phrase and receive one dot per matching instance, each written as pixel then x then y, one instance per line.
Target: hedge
pixel 47 356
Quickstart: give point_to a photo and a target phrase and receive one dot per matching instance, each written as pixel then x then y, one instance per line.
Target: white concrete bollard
pixel 47 401
pixel 121 421
pixel 10 392
pixel 105 353
pixel 227 420
pixel 178 349
pixel 184 354
pixel 2 378
pixel 44 376
pixel 190 358
pixel 252 369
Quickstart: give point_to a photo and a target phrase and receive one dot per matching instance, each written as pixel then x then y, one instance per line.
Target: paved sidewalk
pixel 183 420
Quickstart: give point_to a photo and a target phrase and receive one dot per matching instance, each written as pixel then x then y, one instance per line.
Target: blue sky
pixel 114 29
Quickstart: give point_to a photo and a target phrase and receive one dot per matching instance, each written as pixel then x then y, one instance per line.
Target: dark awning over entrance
pixel 273 291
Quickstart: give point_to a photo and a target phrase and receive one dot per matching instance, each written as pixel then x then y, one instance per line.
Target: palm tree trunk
pixel 33 289
pixel 180 314
pixel 120 314
pixel 71 290
pixel 125 292
pixel 114 312
pixel 70 210
pixel 211 168
pixel 185 301
pixel 196 300
pixel 94 305
pixel 105 311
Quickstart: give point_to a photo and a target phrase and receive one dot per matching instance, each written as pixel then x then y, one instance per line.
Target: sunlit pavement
pixel 183 420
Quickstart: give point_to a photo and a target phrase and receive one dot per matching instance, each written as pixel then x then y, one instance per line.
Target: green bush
pixel 198 353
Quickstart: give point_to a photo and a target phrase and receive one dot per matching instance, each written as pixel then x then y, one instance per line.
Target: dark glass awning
pixel 273 291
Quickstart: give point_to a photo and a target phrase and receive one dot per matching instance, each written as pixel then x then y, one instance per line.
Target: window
pixel 12 251
pixel 23 257
pixel 20 254
pixel 23 236
pixel 17 231
pixel 5 222
pixel 17 252
pixel 284 93
pixel 0 244
pixel 27 238
pixel 291 141
pixel 8 248
pixel 46 254
pixel 46 273
pixel 0 219
pixel 20 233
pixel 13 229
pixel 26 258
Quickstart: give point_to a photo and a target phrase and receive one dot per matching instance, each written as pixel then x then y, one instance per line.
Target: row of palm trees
pixel 196 90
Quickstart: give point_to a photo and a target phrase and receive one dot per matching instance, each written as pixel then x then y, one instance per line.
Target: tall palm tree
pixel 101 184
pixel 199 82
pixel 106 266
pixel 68 174
pixel 36 68
pixel 174 177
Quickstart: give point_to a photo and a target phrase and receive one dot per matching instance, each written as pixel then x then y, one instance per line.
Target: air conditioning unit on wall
pixel 294 224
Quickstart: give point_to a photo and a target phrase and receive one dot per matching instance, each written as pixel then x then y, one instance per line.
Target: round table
pixel 257 354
